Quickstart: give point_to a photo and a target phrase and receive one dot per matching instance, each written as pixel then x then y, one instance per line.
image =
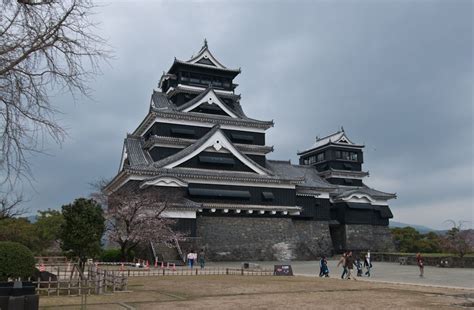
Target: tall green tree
pixel 82 229
pixel 48 229
pixel 409 240
pixel 19 230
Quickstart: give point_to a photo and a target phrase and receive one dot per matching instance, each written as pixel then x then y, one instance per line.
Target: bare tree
pixel 44 49
pixel 98 193
pixel 11 207
pixel 135 217
pixel 457 240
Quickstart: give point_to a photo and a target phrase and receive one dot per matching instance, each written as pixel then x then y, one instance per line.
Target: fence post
pixel 113 278
pixel 242 271
pixel 98 282
pixel 105 281
pixel 49 285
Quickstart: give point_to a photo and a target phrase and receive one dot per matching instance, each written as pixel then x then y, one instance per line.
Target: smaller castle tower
pixel 337 159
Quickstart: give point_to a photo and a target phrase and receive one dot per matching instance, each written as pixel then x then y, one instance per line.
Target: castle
pixel 197 143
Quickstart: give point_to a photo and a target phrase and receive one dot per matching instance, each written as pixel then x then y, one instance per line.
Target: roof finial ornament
pixel 342 128
pixel 205 42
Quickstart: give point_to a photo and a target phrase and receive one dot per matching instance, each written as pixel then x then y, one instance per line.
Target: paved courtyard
pixel 386 272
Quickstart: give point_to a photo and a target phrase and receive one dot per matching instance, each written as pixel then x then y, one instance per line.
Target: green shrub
pixel 16 261
pixel 110 255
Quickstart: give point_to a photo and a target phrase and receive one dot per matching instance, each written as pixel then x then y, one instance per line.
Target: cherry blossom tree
pixel 135 216
pixel 457 240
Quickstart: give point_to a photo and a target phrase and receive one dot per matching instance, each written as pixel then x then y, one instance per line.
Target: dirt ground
pixel 266 292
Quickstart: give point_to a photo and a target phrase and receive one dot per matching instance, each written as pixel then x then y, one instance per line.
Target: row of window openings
pixel 344 155
pixel 205 79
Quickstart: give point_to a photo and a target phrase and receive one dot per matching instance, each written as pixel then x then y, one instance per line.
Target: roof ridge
pixel 330 135
pixel 280 160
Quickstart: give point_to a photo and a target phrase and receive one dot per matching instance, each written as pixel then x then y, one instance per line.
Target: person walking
pixel 367 264
pixel 191 259
pixel 342 261
pixel 323 267
pixel 202 258
pixel 350 265
pixel 358 264
pixel 420 263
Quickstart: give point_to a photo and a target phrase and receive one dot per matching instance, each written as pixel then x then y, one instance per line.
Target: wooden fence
pixel 93 281
pixel 185 271
pixel 100 279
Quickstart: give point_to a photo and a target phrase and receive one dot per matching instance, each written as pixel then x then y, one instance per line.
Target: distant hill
pixel 422 229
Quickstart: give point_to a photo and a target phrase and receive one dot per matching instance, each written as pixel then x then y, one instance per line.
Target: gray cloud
pixel 397 75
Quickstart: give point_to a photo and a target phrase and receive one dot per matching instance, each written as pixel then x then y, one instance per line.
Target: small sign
pixel 282 270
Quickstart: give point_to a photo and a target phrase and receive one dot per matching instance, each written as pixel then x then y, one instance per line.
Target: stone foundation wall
pixel 368 237
pixel 244 238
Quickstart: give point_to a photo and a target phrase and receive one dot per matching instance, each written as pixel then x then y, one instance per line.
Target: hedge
pixel 16 261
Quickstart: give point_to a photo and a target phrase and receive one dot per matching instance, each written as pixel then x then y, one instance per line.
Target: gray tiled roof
pixel 159 101
pixel 224 175
pixel 213 118
pixel 136 155
pixel 346 191
pixel 203 66
pixel 184 203
pixel 309 174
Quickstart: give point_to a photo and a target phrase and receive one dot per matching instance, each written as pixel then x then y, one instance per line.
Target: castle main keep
pixel 197 143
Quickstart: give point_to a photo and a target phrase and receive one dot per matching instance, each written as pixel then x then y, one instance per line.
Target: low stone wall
pixel 368 237
pixel 239 238
pixel 410 259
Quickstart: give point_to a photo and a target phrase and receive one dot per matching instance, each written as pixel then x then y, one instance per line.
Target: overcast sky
pixel 397 75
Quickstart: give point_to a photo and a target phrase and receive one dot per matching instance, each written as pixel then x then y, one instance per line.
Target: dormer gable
pixel 205 57
pixel 208 100
pixel 338 138
pixel 216 141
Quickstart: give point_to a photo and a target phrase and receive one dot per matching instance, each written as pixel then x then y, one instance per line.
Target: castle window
pixel 345 155
pixel 268 196
pixel 180 132
pixel 320 157
pixel 195 78
pixel 214 160
pixel 218 193
pixel 311 159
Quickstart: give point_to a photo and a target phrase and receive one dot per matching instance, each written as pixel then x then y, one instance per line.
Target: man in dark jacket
pixel 350 265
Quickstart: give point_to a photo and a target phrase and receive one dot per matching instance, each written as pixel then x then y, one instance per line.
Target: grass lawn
pixel 264 292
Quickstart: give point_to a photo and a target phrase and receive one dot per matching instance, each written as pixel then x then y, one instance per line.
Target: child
pixel 323 267
pixel 358 265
